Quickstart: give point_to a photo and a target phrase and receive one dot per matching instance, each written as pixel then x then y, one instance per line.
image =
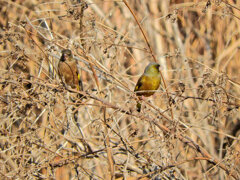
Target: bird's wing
pixel 140 83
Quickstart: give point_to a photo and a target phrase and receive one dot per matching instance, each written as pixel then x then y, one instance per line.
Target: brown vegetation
pixel 189 129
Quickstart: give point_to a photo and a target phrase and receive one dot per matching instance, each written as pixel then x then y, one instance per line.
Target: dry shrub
pixel 188 130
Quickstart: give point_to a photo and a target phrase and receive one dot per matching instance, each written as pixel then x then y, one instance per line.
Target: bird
pixel 68 71
pixel 148 83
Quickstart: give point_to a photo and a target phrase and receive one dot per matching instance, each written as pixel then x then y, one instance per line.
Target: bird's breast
pixel 149 85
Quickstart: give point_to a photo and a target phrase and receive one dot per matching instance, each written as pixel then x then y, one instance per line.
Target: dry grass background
pixel 187 130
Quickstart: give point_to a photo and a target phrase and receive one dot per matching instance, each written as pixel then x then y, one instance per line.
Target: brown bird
pixel 68 71
pixel 148 83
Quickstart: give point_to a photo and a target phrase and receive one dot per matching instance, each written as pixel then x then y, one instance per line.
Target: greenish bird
pixel 148 83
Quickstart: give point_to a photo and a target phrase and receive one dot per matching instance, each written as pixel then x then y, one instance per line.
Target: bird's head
pixel 66 55
pixel 152 68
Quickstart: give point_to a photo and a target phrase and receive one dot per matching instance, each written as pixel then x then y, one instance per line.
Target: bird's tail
pixel 80 85
pixel 139 106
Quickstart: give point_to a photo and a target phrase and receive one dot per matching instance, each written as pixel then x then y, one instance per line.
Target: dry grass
pixel 187 130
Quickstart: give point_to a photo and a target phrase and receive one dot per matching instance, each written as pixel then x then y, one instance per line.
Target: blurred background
pixel 189 129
